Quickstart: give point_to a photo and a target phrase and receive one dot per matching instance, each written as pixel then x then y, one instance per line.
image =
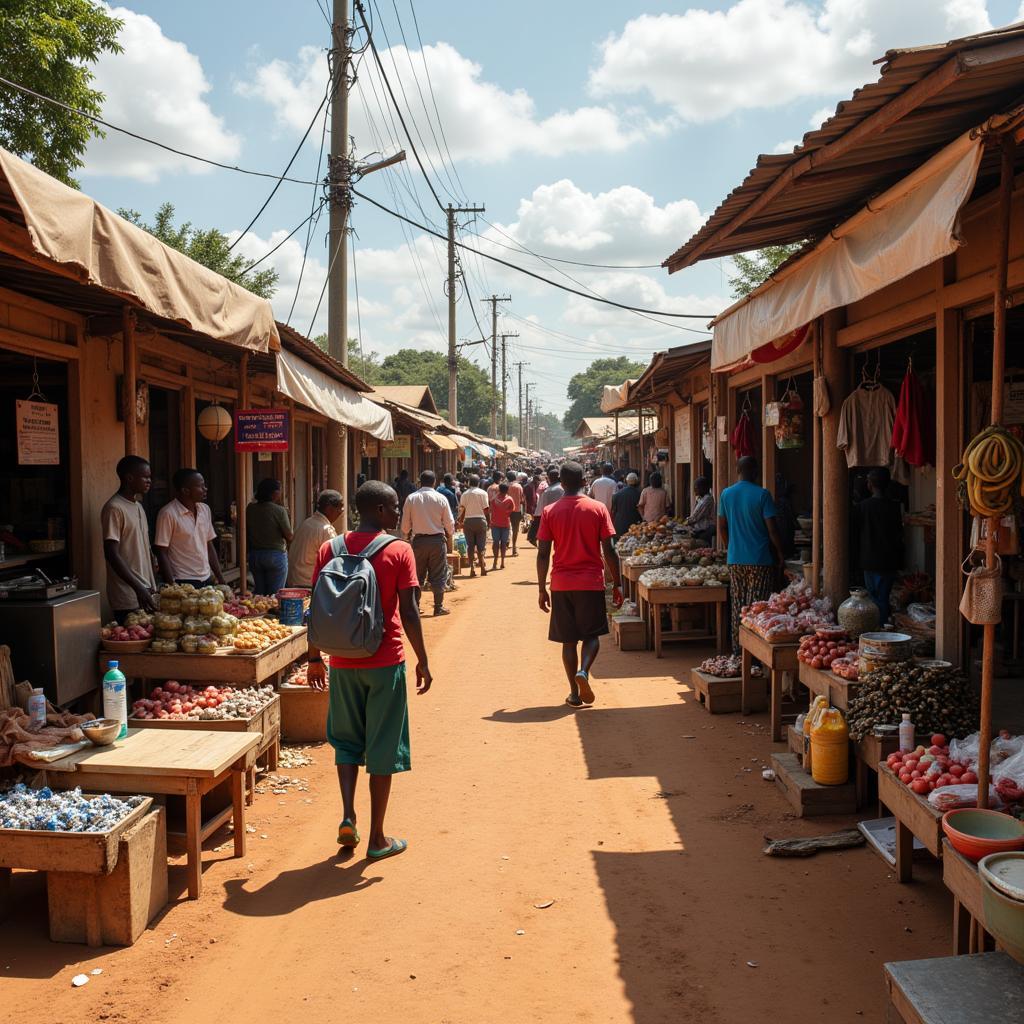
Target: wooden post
pixel 834 472
pixel 131 374
pixel 1000 300
pixel 948 516
pixel 816 472
pixel 241 482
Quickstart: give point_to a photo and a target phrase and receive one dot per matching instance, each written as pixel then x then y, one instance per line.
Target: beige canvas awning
pixel 445 444
pixel 616 396
pixel 906 228
pixel 69 228
pixel 313 388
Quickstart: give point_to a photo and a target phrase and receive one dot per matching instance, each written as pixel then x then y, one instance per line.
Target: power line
pixel 152 142
pixel 539 277
pixel 297 227
pixel 359 319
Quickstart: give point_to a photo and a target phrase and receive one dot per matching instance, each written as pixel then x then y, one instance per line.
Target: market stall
pixel 658 595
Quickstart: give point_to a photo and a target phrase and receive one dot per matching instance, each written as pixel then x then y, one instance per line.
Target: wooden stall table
pixel 914 817
pixel 777 658
pixel 961 878
pixel 186 763
pixel 654 599
pixel 630 575
pixel 248 669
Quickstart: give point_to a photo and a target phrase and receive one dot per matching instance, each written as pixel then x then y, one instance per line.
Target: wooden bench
pixel 776 658
pixel 914 817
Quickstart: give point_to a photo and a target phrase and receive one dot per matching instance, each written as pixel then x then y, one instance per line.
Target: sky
pixel 589 133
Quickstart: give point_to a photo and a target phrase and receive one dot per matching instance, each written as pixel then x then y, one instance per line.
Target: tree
pixel 586 388
pixel 208 247
pixel 757 267
pixel 47 46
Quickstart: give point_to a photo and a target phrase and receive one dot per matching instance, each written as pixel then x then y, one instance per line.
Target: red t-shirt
pixel 515 492
pixel 396 570
pixel 577 525
pixel 501 510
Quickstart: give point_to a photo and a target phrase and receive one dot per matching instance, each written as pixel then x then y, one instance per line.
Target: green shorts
pixel 368 718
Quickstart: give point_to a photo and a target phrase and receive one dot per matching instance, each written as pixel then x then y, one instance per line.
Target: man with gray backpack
pixel 365 592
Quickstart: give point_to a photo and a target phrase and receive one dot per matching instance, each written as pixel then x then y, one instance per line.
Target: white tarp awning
pixel 616 396
pixel 69 228
pixel 906 228
pixel 313 388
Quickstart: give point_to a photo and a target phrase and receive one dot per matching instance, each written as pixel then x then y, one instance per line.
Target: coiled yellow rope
pixel 991 475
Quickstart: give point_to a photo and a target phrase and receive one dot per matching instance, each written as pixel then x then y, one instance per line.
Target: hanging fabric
pixel 789 432
pixel 913 432
pixel 742 437
pixel 707 444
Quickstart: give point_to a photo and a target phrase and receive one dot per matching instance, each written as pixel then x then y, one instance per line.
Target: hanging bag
pixel 982 600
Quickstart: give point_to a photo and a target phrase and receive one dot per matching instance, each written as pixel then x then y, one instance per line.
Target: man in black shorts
pixel 581 530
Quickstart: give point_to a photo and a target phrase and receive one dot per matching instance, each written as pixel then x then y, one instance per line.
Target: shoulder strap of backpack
pixel 378 544
pixel 338 546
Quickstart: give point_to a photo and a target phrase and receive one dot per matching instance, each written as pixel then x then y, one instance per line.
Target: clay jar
pixel 858 613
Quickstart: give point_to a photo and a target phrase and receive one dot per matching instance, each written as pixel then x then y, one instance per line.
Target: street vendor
pixel 311 536
pixel 702 519
pixel 130 578
pixel 184 538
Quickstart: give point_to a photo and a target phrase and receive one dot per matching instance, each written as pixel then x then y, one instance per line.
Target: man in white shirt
pixel 427 520
pixel 311 536
pixel 184 537
pixel 474 518
pixel 604 486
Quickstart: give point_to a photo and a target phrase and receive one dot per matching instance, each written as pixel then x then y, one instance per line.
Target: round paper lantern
pixel 214 423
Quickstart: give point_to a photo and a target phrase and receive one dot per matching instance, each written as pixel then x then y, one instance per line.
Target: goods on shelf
pixel 938 698
pixel 846 667
pixel 298 675
pixel 181 702
pixel 858 613
pixel 924 769
pixel 686 576
pixel 125 633
pixel 822 647
pixel 913 586
pixel 789 614
pixel 667 542
pixel 259 634
pixel 47 811
pixel 185 599
pixel 724 666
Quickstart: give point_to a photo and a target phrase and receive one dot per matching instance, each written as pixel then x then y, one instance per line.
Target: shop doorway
pixel 164 449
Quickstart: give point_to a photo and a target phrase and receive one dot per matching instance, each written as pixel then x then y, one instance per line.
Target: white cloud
pixel 819 117
pixel 786 146
pixel 157 88
pixel 756 54
pixel 482 122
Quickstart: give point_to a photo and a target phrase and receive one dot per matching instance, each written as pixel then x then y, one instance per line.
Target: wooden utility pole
pixel 526 411
pixel 520 366
pixel 453 359
pixel 504 387
pixel 339 178
pixel 494 300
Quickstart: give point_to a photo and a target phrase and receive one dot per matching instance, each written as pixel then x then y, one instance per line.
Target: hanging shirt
pixel 742 437
pixel 913 431
pixel 865 427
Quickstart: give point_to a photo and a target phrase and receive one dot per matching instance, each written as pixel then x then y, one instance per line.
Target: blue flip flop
pixel 393 849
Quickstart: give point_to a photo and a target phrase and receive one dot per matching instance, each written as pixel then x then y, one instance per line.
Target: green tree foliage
pixel 208 247
pixel 47 46
pixel 757 267
pixel 586 388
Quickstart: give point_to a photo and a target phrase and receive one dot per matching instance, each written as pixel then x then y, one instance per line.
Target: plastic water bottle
pixel 907 734
pixel 115 697
pixel 36 710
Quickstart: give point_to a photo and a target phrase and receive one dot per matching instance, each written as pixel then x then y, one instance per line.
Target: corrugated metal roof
pixel 924 98
pixel 666 369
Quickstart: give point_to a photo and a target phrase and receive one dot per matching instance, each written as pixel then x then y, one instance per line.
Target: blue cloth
pixel 269 570
pixel 452 500
pixel 880 586
pixel 745 507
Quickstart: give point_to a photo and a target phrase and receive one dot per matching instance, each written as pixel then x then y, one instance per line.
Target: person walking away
pixel 269 532
pixel 746 526
pixel 368 717
pixel 580 530
pixel 447 489
pixel 604 487
pixel 653 502
pixel 403 487
pixel 880 532
pixel 551 493
pixel 530 501
pixel 311 535
pixel 515 492
pixel 130 579
pixel 624 506
pixel 427 519
pixel 184 534
pixel 501 523
pixel 475 518
pixel 702 519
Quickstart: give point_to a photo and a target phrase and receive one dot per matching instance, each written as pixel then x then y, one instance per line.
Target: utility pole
pixel 453 359
pixel 520 366
pixel 494 300
pixel 526 410
pixel 504 388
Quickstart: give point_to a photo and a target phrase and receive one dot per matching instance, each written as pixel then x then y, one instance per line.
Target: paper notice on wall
pixel 38 433
pixel 682 425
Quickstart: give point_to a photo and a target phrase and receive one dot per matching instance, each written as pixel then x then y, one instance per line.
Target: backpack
pixel 345 614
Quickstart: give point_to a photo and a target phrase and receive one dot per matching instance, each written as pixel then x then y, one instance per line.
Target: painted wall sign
pixel 399 448
pixel 261 430
pixel 38 433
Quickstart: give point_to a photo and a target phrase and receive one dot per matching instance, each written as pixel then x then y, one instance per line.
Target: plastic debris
pixel 79 980
pixel 544 904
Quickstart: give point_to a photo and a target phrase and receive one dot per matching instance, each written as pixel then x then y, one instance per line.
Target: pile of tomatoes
pixel 820 648
pixel 927 768
pixel 177 700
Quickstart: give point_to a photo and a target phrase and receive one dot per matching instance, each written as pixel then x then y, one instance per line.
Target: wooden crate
pixel 455 564
pixel 114 909
pixel 303 714
pixel 720 696
pixel 808 798
pixel 629 632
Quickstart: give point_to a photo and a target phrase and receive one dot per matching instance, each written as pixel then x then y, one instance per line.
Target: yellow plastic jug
pixel 830 749
pixel 818 705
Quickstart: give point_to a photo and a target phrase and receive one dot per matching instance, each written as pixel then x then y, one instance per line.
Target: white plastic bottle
pixel 115 697
pixel 36 710
pixel 907 734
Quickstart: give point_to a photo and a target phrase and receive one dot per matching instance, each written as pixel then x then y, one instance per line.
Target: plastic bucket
pixel 291 605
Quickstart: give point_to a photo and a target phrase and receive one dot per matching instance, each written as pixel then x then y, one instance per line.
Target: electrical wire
pixel 359 319
pixel 554 284
pixel 266 255
pixel 152 142
pixel 327 277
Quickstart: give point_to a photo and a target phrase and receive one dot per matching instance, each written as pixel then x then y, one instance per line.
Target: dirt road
pixel 639 818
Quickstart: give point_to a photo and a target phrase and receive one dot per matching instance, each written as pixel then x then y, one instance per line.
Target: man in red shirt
pixel 581 530
pixel 368 718
pixel 515 492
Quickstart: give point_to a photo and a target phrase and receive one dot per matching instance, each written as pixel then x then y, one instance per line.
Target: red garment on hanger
pixel 913 430
pixel 742 437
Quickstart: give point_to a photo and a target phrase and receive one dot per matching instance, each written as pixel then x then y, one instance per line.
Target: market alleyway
pixel 642 819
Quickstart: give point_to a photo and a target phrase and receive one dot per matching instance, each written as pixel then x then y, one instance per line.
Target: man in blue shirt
pixel 746 526
pixel 448 491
